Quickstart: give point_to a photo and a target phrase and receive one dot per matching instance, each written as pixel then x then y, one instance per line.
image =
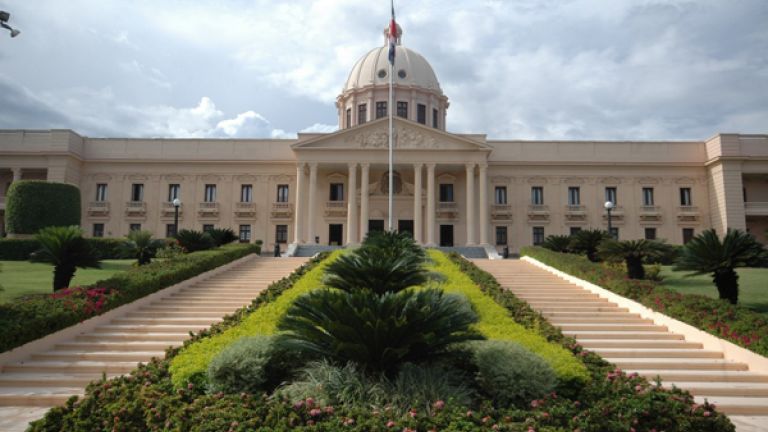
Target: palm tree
pixel 705 253
pixel 587 241
pixel 140 245
pixel 66 249
pixel 557 243
pixel 633 252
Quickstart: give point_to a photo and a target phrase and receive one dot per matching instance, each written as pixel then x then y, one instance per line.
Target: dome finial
pixel 398 36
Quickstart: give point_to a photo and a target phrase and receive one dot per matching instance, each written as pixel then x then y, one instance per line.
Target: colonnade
pixel 357 227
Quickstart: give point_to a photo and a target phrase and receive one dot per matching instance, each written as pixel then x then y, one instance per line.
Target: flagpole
pixel 391 122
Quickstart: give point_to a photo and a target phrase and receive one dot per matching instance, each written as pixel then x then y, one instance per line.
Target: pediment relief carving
pixel 648 180
pixel 404 138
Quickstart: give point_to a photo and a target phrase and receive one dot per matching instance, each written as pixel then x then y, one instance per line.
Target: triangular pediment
pixel 373 136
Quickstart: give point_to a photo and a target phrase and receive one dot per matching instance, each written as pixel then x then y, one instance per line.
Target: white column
pixel 431 204
pixel 312 193
pixel 417 203
pixel 298 217
pixel 484 204
pixel 352 204
pixel 16 174
pixel 470 204
pixel 363 200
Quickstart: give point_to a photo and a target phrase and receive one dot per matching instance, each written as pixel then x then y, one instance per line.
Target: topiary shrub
pixel 242 366
pixel 193 241
pixel 34 204
pixel 510 374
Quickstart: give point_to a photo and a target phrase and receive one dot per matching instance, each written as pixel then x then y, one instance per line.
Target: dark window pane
pixel 421 113
pixel 361 113
pixel 402 109
pixel 446 192
pixel 381 109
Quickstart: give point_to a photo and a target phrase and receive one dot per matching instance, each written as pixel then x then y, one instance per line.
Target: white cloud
pixel 320 128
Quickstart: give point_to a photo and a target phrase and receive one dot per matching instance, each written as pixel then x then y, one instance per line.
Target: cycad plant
pixel 193 241
pixel 633 253
pixel 706 253
pixel 557 243
pixel 66 249
pixel 586 242
pixel 222 236
pixel 139 244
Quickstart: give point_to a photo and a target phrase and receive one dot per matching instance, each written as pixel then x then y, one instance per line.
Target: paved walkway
pixel 638 345
pixel 46 379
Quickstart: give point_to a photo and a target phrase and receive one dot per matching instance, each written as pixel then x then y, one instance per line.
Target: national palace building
pixel 449 188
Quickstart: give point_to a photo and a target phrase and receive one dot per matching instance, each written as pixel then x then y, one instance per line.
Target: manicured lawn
pixel 753 286
pixel 21 277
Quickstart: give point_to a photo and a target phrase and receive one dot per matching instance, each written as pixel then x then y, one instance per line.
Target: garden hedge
pixel 19 249
pixel 35 204
pixel 734 323
pixel 32 317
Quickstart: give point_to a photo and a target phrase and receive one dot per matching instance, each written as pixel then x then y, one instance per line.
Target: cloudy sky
pixel 515 69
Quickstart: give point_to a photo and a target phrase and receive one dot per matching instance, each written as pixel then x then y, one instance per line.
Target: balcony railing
pixel 687 214
pixel 135 208
pixel 281 210
pixel 575 208
pixel 501 212
pixel 575 213
pixel 538 213
pixel 650 209
pixel 98 208
pixel 208 209
pixel 335 209
pixel 168 209
pixel 447 210
pixel 756 208
pixel 245 209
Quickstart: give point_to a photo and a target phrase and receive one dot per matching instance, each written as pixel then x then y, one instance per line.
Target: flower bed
pixel 147 399
pixel 32 317
pixel 736 324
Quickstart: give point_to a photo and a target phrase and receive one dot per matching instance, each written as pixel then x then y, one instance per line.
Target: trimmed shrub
pixel 242 366
pixel 106 248
pixel 35 204
pixel 193 241
pixel 510 374
pixel 35 316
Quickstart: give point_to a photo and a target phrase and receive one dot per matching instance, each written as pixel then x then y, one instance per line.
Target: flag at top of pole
pixel 392 36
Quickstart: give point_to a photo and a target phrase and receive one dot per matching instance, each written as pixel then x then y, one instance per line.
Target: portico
pixel 332 163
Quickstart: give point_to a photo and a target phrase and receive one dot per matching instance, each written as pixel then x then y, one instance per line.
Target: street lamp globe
pixel 609 205
pixel 176 202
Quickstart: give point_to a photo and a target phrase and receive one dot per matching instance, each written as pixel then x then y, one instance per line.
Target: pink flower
pixel 706 413
pixel 438 405
pixel 314 412
pixel 310 402
pixel 329 409
pixel 390 424
pixel 412 413
pixel 469 413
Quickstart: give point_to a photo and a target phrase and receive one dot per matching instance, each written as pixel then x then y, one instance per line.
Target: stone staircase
pixel 310 250
pixel 465 251
pixel 635 344
pixel 50 377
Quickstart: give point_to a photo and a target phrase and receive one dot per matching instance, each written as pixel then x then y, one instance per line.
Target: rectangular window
pixel 685 197
pixel 402 109
pixel 281 234
pixel 650 233
pixel 246 193
pixel 170 230
pixel 98 230
pixel 446 192
pixel 687 235
pixel 500 195
pixel 501 236
pixel 207 227
pixel 282 193
pixel 381 110
pixel 538 235
pixel 575 230
pixel 101 192
pixel 421 114
pixel 434 118
pixel 574 196
pixel 245 233
pixel 610 195
pixel 647 196
pixel 337 192
pixel 174 191
pixel 137 192
pixel 134 227
pixel 537 195
pixel 614 233
pixel 210 193
pixel 349 117
pixel 362 109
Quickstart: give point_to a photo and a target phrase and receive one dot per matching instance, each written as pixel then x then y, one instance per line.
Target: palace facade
pixel 449 188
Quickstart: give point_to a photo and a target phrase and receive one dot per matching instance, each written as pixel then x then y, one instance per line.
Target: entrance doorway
pixel 335 234
pixel 446 235
pixel 375 225
pixel 405 225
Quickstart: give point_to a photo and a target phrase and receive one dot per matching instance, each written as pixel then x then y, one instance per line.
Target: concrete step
pixel 637 344
pixel 706 376
pixel 105 335
pixel 704 364
pixel 122 346
pixel 571 308
pixel 64 367
pixel 218 309
pixel 77 380
pixel 98 356
pixel 738 389
pixel 201 302
pixel 590 315
pixel 556 320
pixel 175 314
pixel 213 297
pixel 611 327
pixel 573 304
pixel 37 396
pixel 185 321
pixel 604 335
pixel 656 353
pixel 730 405
pixel 144 329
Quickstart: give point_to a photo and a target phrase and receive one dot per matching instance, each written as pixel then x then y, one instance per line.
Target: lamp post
pixel 608 207
pixel 176 205
pixel 4 17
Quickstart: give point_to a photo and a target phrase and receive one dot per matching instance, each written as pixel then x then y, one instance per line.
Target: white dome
pixel 411 69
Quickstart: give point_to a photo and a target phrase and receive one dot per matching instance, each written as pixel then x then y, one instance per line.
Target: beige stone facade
pixel 450 189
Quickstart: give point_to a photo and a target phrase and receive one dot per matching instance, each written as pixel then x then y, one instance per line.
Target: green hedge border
pixel 736 324
pixel 20 249
pixel 32 317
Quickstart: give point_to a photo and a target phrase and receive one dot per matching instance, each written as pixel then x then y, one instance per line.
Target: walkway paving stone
pixel 638 345
pixel 49 378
